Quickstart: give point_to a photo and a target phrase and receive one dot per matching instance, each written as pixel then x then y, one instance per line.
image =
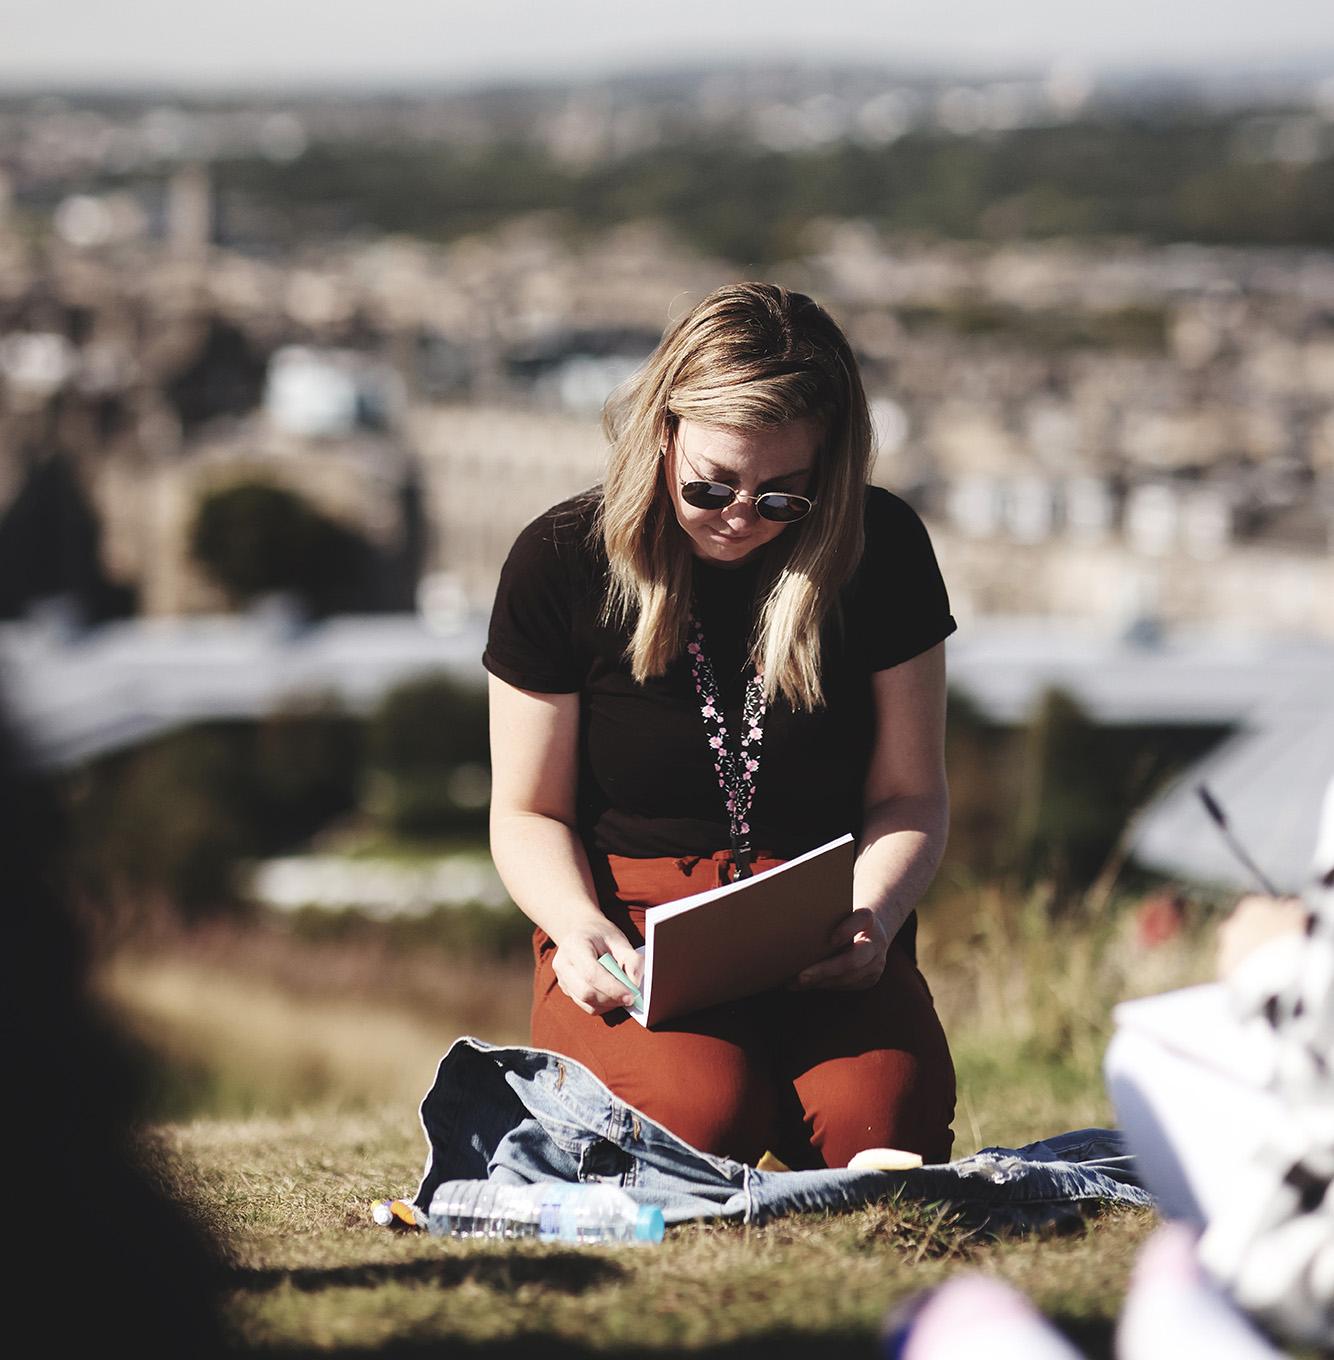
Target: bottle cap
pixel 649 1227
pixel 397 1213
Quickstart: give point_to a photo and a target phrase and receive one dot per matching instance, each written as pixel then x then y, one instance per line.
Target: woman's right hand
pixel 583 979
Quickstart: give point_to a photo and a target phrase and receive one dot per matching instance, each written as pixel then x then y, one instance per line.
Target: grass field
pixel 285 1076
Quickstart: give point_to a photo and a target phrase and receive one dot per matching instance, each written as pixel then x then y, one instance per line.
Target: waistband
pixel 639 882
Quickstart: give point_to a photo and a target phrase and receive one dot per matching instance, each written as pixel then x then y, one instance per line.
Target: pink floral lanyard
pixel 735 769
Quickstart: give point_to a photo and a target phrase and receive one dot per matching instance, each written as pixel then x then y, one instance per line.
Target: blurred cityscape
pixel 281 379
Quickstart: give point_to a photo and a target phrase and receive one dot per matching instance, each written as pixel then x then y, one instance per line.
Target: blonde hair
pixel 750 356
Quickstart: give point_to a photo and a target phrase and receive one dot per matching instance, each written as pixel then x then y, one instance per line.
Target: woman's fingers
pixel 862 947
pixel 857 966
pixel 630 959
pixel 848 929
pixel 591 996
pixel 584 979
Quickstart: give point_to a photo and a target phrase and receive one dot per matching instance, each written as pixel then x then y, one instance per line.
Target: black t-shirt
pixel 647 785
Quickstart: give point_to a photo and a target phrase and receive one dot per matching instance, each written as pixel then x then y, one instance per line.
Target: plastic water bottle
pixel 548 1211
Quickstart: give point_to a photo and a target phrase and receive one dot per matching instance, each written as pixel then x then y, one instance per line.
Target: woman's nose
pixel 741 511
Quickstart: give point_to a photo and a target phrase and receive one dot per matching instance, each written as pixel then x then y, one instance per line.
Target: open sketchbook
pixel 743 937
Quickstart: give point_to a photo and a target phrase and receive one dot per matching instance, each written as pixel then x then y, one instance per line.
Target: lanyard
pixel 736 770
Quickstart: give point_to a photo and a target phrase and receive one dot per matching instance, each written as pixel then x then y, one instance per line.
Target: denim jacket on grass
pixel 523 1114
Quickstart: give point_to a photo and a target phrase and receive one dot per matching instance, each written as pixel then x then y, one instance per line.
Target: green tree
pixel 50 544
pixel 428 755
pixel 170 821
pixel 164 824
pixel 1071 806
pixel 253 538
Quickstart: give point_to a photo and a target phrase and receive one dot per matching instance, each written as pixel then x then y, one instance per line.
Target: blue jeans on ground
pixel 523 1114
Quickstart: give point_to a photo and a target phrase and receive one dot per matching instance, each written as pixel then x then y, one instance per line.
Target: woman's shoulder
pixel 565 532
pixel 896 537
pixel 897 597
pixel 569 521
pixel 887 513
pixel 543 600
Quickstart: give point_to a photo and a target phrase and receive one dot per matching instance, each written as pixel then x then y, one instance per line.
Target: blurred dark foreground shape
pixel 102 1255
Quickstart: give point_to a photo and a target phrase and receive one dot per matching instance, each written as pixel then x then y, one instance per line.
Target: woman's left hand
pixel 862 945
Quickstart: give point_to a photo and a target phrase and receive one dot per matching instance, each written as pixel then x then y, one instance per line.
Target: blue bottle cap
pixel 649 1227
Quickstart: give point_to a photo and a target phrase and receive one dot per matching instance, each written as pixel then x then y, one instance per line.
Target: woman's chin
pixel 721 551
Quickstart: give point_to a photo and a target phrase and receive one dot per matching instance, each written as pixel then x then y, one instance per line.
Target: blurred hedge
pixel 429 757
pixel 1042 805
pixel 168 824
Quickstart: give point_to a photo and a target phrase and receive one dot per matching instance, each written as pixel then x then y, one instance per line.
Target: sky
pixel 460 42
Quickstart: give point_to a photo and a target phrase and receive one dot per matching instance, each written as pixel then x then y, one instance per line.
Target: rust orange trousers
pixel 811 1076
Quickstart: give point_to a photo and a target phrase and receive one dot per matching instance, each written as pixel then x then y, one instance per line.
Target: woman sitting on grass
pixel 734 574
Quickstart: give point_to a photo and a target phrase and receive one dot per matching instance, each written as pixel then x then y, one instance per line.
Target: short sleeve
pixel 902 606
pixel 531 639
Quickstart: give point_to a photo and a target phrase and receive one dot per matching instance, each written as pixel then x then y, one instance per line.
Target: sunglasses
pixel 780 507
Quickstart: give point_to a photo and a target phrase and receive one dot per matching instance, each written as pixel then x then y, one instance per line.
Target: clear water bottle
pixel 549 1211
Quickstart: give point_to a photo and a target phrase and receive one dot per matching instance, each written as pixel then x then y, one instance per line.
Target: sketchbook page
pixel 746 936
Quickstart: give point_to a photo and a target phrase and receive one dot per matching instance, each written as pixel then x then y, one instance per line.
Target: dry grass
pixel 1027 1003
pixel 308 1271
pixel 246 1021
pixel 304 1063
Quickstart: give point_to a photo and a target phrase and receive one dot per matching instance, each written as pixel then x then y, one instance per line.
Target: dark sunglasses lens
pixel 706 495
pixel 773 505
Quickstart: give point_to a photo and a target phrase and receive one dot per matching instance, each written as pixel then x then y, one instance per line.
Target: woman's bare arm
pixel 536 845
pixel 906 820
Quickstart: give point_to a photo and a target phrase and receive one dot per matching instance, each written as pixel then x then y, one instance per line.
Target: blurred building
pixel 1125 452
pixel 1094 431
pixel 490 470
